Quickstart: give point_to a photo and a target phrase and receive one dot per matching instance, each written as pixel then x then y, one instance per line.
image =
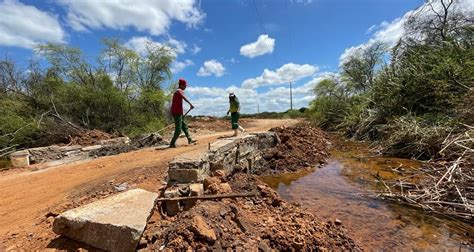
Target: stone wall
pixel 72 152
pixel 230 154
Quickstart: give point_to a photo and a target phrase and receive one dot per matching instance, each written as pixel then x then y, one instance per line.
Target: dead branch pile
pixel 443 186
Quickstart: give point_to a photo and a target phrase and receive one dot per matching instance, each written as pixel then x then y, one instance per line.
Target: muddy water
pixel 343 190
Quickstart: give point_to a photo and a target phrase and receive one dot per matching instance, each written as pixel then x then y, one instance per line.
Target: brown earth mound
pixel 301 146
pixel 264 222
pixel 213 124
pixel 90 137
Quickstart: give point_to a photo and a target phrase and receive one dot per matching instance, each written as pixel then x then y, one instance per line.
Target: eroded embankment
pixel 264 221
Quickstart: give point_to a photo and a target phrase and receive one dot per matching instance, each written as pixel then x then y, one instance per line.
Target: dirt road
pixel 28 196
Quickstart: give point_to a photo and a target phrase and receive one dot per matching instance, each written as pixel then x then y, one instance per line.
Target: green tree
pixel 359 69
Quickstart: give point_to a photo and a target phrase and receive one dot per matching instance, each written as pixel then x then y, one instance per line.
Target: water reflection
pixel 343 190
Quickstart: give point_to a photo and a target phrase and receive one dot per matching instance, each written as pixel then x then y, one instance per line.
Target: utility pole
pixel 258 103
pixel 291 96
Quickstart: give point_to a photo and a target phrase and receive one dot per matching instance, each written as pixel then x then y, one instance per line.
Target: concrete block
pixel 189 162
pixel 118 140
pixel 223 145
pixel 184 175
pixel 115 223
pixel 72 153
pixel 45 154
pixel 230 160
pixel 242 165
pixel 196 189
pixel 172 207
pixel 20 158
pixel 172 192
pixel 70 148
pixel 92 147
pixel 216 166
pixel 247 147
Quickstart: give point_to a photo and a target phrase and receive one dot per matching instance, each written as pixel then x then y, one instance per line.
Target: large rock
pixel 185 175
pixel 189 167
pixel 115 223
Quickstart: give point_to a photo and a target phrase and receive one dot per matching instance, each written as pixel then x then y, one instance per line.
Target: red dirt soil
pixel 265 222
pixel 31 197
pixel 302 146
pixel 90 137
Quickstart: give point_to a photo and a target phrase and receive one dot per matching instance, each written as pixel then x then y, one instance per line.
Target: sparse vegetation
pixel 120 93
pixel 278 115
pixel 408 98
pixel 418 104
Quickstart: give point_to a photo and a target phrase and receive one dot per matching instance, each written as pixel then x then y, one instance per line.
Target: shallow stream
pixel 344 189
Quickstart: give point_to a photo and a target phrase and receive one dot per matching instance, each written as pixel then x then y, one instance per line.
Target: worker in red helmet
pixel 177 113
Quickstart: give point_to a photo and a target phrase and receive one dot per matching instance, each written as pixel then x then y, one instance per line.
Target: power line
pixel 291 46
pixel 264 31
pixel 259 18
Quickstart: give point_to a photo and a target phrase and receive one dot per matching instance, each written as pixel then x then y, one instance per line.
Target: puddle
pixel 343 190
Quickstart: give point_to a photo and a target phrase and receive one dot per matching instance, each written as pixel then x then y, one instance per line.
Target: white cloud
pixel 140 45
pixel 179 66
pixel 308 87
pixel 371 29
pixel 387 32
pixel 24 25
pixel 196 49
pixel 150 16
pixel 214 101
pixel 287 73
pixel 178 46
pixel 211 67
pixel 263 45
pixel 391 32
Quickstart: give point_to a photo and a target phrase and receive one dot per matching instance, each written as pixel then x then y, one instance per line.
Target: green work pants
pixel 179 124
pixel 234 119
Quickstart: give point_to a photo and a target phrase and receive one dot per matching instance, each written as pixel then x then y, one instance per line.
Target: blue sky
pixel 220 45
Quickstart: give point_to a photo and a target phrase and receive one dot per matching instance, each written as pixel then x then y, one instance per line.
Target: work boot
pixel 236 132
pixel 242 130
pixel 191 141
pixel 172 146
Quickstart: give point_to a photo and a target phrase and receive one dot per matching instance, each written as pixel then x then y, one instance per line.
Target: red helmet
pixel 183 82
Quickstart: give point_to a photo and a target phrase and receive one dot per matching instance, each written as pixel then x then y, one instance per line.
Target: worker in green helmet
pixel 234 110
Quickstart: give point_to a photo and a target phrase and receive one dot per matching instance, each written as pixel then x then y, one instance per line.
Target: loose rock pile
pixel 302 146
pixel 261 219
pixel 263 222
